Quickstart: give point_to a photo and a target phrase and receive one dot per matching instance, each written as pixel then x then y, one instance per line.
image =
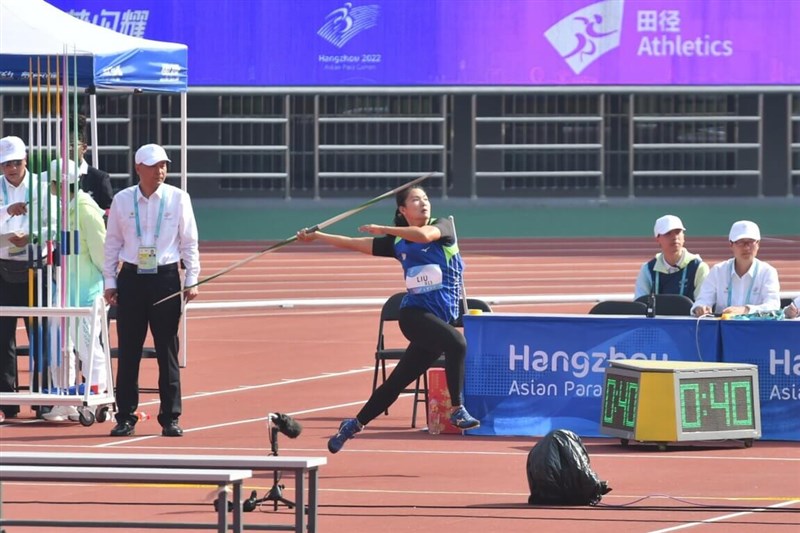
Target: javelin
pixel 316 227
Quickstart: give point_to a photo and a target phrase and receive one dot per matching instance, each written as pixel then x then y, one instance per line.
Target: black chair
pixel 472 304
pixel 390 312
pixel 618 307
pixel 670 304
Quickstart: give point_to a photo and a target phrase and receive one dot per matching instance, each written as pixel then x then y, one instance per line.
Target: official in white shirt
pixel 151 230
pixel 743 284
pixel 23 205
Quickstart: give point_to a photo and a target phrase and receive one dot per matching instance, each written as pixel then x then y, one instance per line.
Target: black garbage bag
pixel 559 472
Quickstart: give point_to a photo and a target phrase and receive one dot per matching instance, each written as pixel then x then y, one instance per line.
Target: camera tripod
pixel 275 494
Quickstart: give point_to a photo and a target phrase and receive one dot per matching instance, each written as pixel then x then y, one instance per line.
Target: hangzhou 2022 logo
pixel 344 23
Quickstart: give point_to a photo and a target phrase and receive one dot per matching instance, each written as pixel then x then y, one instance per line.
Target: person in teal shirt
pixel 674 270
pixel 84 285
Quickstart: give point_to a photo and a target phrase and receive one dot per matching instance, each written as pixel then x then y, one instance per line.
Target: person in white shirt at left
pixel 743 284
pixel 23 205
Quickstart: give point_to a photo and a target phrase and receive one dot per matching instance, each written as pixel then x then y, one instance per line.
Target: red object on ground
pixel 439 404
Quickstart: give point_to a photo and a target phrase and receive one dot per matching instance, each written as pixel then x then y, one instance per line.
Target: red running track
pixel 316 364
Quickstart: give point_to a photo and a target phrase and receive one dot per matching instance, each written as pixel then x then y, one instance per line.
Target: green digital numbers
pixel 742 394
pixel 716 404
pixel 724 404
pixel 690 405
pixel 620 396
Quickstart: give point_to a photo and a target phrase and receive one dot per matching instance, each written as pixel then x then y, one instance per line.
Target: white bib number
pixel 424 278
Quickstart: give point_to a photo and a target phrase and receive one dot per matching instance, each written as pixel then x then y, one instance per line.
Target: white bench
pixel 105 474
pixel 301 466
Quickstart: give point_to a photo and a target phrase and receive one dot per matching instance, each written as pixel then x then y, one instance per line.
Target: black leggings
pixel 429 337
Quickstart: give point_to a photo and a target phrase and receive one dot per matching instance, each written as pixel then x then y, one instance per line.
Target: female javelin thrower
pixel 432 266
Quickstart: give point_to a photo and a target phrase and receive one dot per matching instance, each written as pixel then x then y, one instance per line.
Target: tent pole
pixel 184 140
pixel 184 186
pixel 93 127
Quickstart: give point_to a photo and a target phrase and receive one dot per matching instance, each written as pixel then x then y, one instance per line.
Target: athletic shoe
pixel 463 420
pixel 347 430
pixel 61 413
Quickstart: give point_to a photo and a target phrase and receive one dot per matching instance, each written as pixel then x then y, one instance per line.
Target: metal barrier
pixel 268 135
pixel 696 131
pixel 383 132
pixel 526 123
pixel 320 142
pixel 793 137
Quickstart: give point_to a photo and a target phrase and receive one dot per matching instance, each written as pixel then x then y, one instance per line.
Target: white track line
pixel 723 517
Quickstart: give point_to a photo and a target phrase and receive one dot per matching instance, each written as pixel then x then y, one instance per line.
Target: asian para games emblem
pixel 344 23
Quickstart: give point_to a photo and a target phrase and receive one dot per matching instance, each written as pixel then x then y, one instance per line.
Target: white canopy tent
pixel 34 29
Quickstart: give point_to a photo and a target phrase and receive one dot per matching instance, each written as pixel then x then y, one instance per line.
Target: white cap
pixel 11 149
pixel 744 229
pixel 57 167
pixel 666 224
pixel 150 154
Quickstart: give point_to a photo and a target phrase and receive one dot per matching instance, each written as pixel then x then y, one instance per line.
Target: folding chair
pixel 670 304
pixel 390 312
pixel 472 304
pixel 617 307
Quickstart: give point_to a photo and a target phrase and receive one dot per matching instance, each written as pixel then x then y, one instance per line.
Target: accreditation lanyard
pixel 13 251
pixel 148 259
pixel 6 197
pixel 749 289
pixel 682 285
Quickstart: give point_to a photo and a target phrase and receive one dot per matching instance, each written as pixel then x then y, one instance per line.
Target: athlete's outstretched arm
pixel 357 244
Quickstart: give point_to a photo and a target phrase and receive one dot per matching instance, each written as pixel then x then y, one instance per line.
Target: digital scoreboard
pixel 672 401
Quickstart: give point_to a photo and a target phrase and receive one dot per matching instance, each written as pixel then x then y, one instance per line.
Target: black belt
pixel 172 267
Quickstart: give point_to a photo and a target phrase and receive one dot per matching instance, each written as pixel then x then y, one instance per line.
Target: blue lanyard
pixel 158 220
pixel 6 199
pixel 749 289
pixel 683 281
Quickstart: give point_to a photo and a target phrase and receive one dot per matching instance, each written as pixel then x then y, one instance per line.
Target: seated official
pixel 743 284
pixel 674 270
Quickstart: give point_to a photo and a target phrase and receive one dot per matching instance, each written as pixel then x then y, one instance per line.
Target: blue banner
pixel 774 346
pixel 467 42
pixel 527 374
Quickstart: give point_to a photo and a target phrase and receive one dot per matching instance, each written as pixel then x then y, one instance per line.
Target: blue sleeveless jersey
pixel 439 296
